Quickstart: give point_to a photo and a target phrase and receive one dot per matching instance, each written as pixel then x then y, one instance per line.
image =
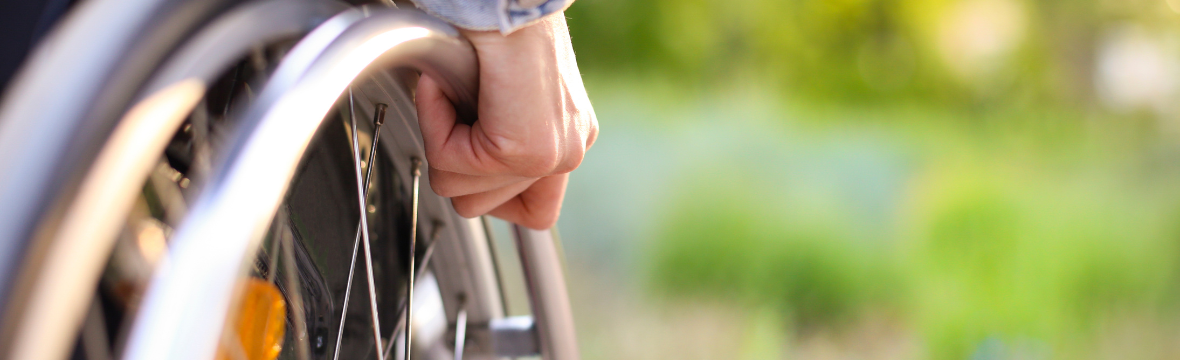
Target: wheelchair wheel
pixel 257 197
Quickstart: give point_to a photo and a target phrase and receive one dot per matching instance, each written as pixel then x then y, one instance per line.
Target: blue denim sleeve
pixel 503 15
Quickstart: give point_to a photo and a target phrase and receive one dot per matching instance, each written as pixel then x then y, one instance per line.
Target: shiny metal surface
pixel 61 108
pixel 364 220
pixel 60 293
pixel 227 222
pixel 36 92
pixel 416 172
pixel 460 332
pixel 544 273
pixel 378 120
pixel 231 215
pixel 421 269
pixel 286 241
pixel 514 336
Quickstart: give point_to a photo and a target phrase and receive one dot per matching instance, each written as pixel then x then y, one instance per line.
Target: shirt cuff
pixel 503 15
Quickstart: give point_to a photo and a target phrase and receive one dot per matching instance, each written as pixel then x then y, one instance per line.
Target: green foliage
pixel 732 246
pixel 851 50
pixel 1029 214
pixel 1004 248
pixel 859 51
pixel 1018 257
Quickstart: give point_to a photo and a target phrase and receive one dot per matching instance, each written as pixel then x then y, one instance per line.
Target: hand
pixel 535 124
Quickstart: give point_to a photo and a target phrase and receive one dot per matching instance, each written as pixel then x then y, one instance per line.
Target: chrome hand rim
pixel 208 251
pixel 58 295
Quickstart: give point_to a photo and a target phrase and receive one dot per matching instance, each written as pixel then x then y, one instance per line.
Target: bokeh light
pixel 878 179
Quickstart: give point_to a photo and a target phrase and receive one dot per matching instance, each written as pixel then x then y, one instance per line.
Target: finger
pixel 452 184
pixel 537 207
pixel 592 125
pixel 436 119
pixel 478 204
pixel 453 146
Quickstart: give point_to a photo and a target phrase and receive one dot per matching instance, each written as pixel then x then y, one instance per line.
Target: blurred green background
pixel 878 179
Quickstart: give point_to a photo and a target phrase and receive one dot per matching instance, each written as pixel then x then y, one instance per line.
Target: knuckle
pixel 541 221
pixel 541 162
pixel 549 221
pixel 534 159
pixel 443 186
pixel 572 160
pixel 464 207
pixel 435 160
pixel 592 135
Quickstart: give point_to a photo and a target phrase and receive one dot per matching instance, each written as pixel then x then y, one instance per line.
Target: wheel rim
pixel 59 294
pixel 358 41
pixel 208 250
pixel 44 160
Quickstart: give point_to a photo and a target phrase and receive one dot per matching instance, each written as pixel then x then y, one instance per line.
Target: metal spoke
pixel 273 255
pixel 396 330
pixel 460 331
pixel 362 191
pixel 201 146
pixel 402 309
pixel 171 197
pixel 425 260
pixel 347 291
pixel 294 291
pixel 378 120
pixel 417 172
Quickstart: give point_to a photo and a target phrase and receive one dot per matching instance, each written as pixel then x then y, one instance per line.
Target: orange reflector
pixel 260 321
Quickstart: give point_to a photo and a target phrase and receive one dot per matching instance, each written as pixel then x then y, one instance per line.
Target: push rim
pixel 471 286
pixel 58 285
pixel 208 250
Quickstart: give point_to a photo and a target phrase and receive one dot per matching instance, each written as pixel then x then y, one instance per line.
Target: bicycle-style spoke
pixel 361 201
pixel 294 290
pixel 249 109
pixel 272 269
pixel 417 172
pixel 402 309
pixel 378 120
pixel 347 292
pixel 397 329
pixel 460 330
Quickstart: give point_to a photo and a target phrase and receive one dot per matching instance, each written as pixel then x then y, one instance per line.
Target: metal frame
pixel 75 85
pixel 544 273
pixel 60 293
pixel 229 218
